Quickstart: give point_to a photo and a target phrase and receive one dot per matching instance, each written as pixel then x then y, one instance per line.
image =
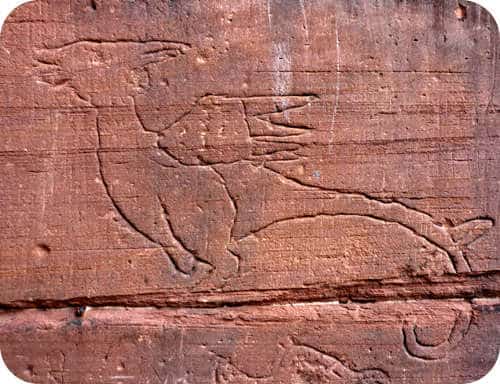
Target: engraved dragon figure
pixel 200 177
pixel 301 364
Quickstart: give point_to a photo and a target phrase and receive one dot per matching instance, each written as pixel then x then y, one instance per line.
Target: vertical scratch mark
pixel 493 82
pixel 306 25
pixel 281 60
pixel 307 45
pixel 48 183
pixel 181 352
pixel 269 15
pixel 337 89
pixel 282 66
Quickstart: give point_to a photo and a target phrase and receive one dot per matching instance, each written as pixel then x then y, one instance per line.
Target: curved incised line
pixel 373 217
pixel 416 349
pixel 459 262
pixel 178 239
pixel 120 211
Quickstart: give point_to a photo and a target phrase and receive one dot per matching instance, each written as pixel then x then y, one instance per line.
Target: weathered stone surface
pixel 202 154
pixel 189 147
pixel 382 343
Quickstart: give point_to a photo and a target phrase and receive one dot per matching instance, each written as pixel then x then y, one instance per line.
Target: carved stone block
pixel 316 164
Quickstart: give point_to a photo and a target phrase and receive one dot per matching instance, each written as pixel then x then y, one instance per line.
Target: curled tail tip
pixel 471 230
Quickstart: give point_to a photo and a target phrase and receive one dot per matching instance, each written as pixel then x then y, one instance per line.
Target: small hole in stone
pixel 80 311
pixel 461 12
pixel 41 250
pixel 30 370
